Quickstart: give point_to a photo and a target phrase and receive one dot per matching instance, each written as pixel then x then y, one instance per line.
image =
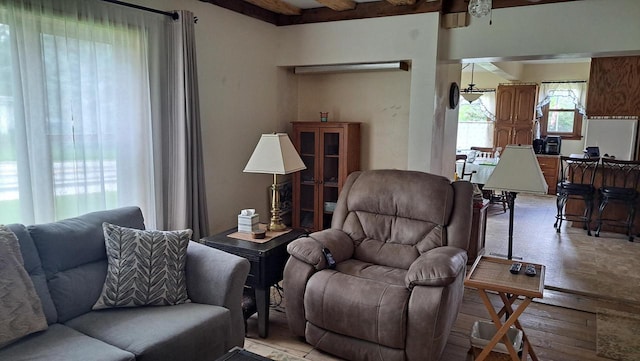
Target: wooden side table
pixel 267 265
pixel 478 231
pixel 492 274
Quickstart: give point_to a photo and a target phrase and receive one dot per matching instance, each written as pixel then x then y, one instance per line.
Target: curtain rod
pixel 173 15
pixel 564 82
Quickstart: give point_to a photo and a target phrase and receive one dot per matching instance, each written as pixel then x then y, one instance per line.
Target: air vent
pixel 345 68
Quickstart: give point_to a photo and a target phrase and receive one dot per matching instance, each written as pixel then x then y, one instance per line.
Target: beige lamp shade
pixel 471 97
pixel 274 154
pixel 517 171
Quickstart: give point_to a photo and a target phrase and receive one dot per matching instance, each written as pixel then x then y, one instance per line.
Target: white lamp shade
pixel 517 171
pixel 274 154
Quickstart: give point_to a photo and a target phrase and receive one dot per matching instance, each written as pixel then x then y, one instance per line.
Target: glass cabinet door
pixel 308 199
pixel 330 152
pixel 329 185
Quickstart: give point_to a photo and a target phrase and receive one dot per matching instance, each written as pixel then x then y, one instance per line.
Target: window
pixel 75 115
pixel 561 109
pixel 475 123
pixel 561 117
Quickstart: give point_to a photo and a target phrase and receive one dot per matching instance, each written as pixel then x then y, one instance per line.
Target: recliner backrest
pixel 394 216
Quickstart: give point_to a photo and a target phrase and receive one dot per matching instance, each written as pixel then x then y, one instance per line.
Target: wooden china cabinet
pixel 515 112
pixel 331 151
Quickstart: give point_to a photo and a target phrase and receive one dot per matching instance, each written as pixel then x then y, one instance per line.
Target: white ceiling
pixel 480 66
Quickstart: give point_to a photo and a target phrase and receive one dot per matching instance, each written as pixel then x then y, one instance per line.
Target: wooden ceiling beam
pixel 277 6
pixel 364 10
pixel 360 11
pixel 338 5
pixel 247 9
pixel 401 2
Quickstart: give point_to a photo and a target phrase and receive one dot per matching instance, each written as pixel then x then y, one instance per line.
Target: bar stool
pixel 619 184
pixel 576 182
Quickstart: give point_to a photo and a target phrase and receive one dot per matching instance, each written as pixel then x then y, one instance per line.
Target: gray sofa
pixel 67 263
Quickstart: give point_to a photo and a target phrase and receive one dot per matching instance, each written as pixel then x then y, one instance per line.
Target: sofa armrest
pixel 217 278
pixel 309 249
pixel 437 267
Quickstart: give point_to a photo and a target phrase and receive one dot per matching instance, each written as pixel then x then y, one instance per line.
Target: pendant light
pixel 468 93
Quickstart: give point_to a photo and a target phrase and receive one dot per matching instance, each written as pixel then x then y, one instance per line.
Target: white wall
pixel 446 119
pixel 409 37
pixel 379 100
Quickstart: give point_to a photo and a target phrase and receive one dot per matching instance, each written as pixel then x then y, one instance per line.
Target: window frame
pixel 576 134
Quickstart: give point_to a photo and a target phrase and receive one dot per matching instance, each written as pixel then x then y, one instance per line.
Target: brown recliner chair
pixel 398 239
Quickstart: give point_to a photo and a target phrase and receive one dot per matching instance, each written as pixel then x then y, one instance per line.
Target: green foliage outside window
pixel 471 112
pixel 561 115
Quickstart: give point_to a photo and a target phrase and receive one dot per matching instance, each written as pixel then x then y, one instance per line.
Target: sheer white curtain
pixel 577 91
pixel 76 108
pixel 488 101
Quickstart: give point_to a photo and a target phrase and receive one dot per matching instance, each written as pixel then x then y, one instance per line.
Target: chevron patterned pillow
pixel 144 267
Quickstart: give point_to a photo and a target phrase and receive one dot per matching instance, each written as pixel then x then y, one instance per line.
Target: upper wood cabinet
pixel 515 112
pixel 331 151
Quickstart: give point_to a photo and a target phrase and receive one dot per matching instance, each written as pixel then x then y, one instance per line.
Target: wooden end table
pixel 492 274
pixel 267 265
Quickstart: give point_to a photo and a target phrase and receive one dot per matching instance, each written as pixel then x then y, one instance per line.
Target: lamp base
pixel 276 221
pixel 277 227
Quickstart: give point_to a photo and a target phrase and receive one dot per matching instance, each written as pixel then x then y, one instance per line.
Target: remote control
pixel 530 270
pixel 515 268
pixel 329 257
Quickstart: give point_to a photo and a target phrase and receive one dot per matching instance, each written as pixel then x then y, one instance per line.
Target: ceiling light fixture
pixel 479 8
pixel 468 93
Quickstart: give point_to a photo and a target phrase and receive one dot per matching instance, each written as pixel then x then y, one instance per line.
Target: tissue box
pixel 248 224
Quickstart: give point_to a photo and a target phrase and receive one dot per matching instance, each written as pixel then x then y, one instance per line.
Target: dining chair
pixel 491 195
pixel 620 181
pixel 484 152
pixel 463 158
pixel 576 182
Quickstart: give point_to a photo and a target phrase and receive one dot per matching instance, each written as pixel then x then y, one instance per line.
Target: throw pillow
pixel 20 307
pixel 144 267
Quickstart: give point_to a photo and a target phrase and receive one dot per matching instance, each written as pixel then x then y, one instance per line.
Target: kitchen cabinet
pixel 515 112
pixel 331 151
pixel 550 166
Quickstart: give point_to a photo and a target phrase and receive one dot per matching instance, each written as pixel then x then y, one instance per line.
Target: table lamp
pixel 517 171
pixel 275 154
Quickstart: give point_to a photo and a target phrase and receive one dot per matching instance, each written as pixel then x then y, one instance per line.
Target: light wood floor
pixel 584 275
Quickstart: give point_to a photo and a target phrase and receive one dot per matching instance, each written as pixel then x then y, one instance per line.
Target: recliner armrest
pixel 437 267
pixel 309 249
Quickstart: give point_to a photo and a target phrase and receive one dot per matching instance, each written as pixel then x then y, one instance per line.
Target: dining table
pixel 483 168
